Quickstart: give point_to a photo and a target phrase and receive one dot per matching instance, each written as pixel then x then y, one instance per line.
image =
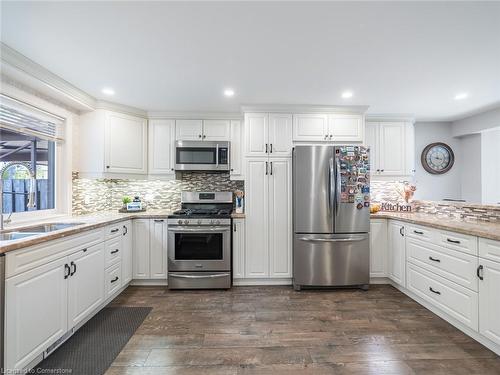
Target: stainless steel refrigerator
pixel 331 216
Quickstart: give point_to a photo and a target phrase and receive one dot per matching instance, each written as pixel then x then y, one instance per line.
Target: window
pixel 27 165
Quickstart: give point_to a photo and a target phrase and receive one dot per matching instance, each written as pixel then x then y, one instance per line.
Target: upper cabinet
pixel 336 128
pixel 161 147
pixel 112 143
pixel 236 151
pixel 268 135
pixel 202 130
pixel 392 148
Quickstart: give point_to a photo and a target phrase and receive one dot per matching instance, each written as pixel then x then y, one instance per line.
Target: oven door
pixel 201 156
pixel 203 248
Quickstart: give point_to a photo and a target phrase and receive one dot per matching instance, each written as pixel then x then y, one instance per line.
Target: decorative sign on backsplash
pixel 397 200
pixel 395 207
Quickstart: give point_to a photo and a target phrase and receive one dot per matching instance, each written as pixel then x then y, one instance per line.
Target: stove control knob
pixel 199 222
pixel 217 222
pixel 179 222
pixel 186 222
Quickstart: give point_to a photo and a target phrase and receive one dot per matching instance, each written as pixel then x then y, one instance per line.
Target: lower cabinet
pixel 150 249
pixel 378 248
pixel 489 299
pixel 238 248
pixel 127 251
pixel 396 252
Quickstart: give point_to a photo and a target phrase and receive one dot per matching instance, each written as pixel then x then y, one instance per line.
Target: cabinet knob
pixel 172 169
pixel 331 136
pixel 326 136
pixel 199 135
pixel 107 166
pixel 204 136
pixel 381 170
pixel 232 170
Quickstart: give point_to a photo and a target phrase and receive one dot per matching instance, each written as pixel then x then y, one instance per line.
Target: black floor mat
pixel 92 349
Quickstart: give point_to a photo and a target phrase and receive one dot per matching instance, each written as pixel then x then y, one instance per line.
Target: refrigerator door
pixel 331 260
pixel 313 198
pixel 352 189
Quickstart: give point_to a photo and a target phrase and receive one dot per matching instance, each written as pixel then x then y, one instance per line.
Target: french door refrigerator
pixel 331 216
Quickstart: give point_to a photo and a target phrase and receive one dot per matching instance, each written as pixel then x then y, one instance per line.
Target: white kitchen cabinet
pixel 112 144
pixel 268 218
pixel 36 312
pixel 345 128
pixel 236 151
pixel 489 300
pixel 161 150
pixel 238 248
pixel 397 252
pixel 378 248
pixel 86 283
pixel 268 135
pixel 158 249
pixel 189 130
pixel 127 252
pixel 141 258
pixel 310 128
pixel 280 218
pixel 216 130
pixel 392 148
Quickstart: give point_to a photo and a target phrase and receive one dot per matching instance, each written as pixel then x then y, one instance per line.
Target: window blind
pixel 25 119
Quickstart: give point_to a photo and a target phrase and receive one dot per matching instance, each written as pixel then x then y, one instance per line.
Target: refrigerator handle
pixel 331 186
pixel 338 186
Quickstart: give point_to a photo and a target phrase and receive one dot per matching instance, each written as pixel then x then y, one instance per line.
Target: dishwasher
pixel 2 307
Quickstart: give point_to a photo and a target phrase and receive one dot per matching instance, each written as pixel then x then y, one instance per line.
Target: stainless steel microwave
pixel 201 156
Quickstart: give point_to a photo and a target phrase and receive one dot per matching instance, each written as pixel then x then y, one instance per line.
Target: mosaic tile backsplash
pixel 90 195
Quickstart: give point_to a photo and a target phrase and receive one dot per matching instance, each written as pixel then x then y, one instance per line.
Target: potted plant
pixel 126 200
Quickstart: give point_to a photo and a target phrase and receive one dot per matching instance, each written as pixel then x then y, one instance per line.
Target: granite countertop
pixel 483 229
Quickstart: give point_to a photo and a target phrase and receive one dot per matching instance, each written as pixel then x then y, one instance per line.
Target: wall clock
pixel 437 158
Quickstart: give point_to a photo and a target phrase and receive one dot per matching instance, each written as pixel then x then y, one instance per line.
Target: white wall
pixel 490 166
pixel 437 187
pixel 471 168
pixel 477 123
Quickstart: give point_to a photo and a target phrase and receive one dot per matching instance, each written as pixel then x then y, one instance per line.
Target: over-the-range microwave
pixel 201 156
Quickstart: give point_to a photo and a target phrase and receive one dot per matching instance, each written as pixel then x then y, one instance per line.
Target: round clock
pixel 437 158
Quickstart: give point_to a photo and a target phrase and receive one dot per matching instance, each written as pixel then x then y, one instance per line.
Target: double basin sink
pixel 35 230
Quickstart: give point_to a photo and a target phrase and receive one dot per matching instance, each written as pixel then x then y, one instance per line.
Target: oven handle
pixel 200 229
pixel 199 276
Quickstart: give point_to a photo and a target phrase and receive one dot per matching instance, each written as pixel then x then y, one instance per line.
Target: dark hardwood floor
pixel 275 330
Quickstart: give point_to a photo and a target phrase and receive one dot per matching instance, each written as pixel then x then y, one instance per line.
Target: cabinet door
pixel 378 248
pixel 372 141
pixel 392 148
pixel 238 248
pixel 127 246
pixel 310 128
pixel 188 130
pixel 280 218
pixel 158 248
pixel 345 128
pixel 141 249
pixel 257 208
pixel 409 149
pixel 280 135
pixel 161 147
pixel 397 257
pixel 489 300
pixel 256 134
pixel 236 148
pixel 216 130
pixel 125 144
pixel 36 312
pixel 86 283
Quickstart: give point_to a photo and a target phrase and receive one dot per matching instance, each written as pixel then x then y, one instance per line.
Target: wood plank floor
pixel 275 330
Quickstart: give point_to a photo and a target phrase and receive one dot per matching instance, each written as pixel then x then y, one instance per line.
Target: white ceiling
pixel 401 57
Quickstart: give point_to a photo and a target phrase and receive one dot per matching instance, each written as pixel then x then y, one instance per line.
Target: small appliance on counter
pixel 239 202
pixel 199 241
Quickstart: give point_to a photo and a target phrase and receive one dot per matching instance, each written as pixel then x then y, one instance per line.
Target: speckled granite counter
pixel 484 229
pixel 237 216
pixel 89 222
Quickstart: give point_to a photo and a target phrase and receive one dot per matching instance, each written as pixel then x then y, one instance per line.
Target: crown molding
pixel 304 108
pixel 194 115
pixel 104 104
pixel 402 117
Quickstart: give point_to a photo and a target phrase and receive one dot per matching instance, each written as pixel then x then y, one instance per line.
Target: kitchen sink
pixel 15 235
pixel 45 228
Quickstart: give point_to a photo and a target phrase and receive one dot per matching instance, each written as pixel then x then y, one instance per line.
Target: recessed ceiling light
pixel 228 92
pixel 108 91
pixel 462 95
pixel 347 94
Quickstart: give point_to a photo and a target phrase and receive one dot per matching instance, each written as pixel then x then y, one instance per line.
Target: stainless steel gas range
pixel 199 241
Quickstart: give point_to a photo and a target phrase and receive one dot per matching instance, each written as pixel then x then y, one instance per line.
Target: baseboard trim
pixel 380 280
pixel 149 282
pixel 261 282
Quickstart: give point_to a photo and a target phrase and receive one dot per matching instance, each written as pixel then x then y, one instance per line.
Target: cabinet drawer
pixel 453 299
pixel 416 231
pixel 457 241
pixel 489 249
pixel 113 231
pixel 453 265
pixel 113 279
pixel 113 251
